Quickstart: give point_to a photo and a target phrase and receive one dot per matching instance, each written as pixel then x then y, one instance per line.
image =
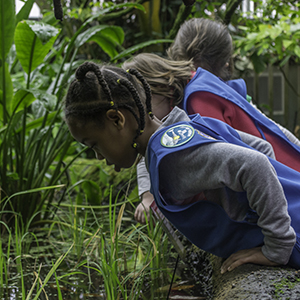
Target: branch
pixel 288 82
pixel 231 6
pixel 58 11
pixel 182 15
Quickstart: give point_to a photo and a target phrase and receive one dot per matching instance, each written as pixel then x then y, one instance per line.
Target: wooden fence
pixel 277 93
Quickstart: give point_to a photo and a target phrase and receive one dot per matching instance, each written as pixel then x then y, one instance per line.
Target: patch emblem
pixel 177 136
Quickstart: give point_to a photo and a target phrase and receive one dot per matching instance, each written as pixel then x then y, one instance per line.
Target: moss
pixel 285 284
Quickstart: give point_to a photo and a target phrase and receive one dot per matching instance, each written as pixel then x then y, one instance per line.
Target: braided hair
pixel 96 89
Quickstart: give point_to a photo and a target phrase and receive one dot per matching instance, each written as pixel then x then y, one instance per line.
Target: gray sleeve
pixel 257 143
pixel 216 165
pixel 143 177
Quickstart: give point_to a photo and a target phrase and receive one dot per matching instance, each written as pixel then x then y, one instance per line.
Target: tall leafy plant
pixel 36 64
pixel 31 141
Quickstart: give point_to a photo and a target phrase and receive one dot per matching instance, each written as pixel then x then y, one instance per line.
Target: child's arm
pixel 144 207
pixel 143 180
pixel 257 143
pixel 214 166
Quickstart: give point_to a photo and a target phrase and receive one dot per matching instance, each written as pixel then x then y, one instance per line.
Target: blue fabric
pixel 206 224
pixel 238 85
pixel 234 91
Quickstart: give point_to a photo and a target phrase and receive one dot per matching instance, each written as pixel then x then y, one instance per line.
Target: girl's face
pixel 112 141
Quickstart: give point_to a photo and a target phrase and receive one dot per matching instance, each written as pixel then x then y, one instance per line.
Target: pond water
pixel 192 282
pixel 100 261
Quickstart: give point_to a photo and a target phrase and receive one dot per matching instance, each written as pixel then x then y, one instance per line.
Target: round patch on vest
pixel 177 136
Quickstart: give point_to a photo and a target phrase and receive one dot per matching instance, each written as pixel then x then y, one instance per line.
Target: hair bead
pixel 134 145
pixel 112 103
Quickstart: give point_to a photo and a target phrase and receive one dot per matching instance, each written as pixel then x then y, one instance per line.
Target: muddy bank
pixel 255 282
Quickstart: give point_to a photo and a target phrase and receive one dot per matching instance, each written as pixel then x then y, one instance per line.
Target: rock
pixel 255 282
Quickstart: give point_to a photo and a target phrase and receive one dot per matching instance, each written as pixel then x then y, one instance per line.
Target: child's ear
pixel 116 117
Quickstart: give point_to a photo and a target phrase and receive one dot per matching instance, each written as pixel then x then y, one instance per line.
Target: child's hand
pixel 253 255
pixel 143 208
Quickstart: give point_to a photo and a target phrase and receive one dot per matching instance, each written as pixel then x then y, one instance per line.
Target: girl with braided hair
pixel 92 100
pixel 206 181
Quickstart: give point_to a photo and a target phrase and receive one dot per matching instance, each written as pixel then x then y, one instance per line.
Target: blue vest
pixel 234 91
pixel 205 223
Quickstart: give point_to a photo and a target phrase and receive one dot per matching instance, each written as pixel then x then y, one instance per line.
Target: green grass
pixel 84 249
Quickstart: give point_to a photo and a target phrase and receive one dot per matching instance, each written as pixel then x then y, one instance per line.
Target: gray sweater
pixel 214 166
pixel 251 140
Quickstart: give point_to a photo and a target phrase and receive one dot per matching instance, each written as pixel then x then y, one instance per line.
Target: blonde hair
pixel 208 43
pixel 165 77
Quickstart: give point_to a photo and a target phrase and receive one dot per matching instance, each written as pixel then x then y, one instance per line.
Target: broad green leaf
pixel 43 31
pixel 245 28
pixel 107 37
pixel 115 33
pixel 286 43
pixel 266 30
pixel 258 63
pixel 252 36
pixel 297 50
pixel 107 45
pixel 21 99
pixel 278 47
pixel 263 30
pixel 249 46
pixel 275 32
pixel 33 42
pixel 24 12
pixel 140 46
pixel 92 191
pixel 48 100
pixel 260 51
pixel 295 27
pixel 7 27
